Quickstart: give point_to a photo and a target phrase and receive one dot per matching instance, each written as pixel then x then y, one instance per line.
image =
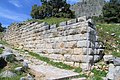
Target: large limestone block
pixel 70 38
pixel 78 51
pixel 79 58
pixel 85 66
pixel 85 44
pixel 73 31
pixel 83 51
pixel 53 26
pixel 72 21
pixel 71 44
pixel 88 51
pixel 56 57
pixel 60 45
pixel 63 23
pixel 82 19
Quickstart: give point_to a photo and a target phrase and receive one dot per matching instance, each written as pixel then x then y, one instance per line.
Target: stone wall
pixel 88 8
pixel 73 41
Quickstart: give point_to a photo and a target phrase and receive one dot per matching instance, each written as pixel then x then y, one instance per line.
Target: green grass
pixel 116 54
pixel 98 74
pixel 3 42
pixel 56 64
pixel 50 20
pixel 1 50
pixel 112 43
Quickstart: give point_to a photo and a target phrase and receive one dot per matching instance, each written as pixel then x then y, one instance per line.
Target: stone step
pixel 53 73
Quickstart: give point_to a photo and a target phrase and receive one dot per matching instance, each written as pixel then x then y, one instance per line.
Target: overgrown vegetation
pixel 51 21
pixel 98 74
pixel 110 35
pixel 52 8
pixel 11 67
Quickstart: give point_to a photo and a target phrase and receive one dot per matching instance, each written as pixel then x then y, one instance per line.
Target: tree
pixel 1 28
pixel 111 11
pixel 52 8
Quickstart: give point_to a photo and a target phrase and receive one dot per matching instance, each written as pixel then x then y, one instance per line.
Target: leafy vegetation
pixel 52 8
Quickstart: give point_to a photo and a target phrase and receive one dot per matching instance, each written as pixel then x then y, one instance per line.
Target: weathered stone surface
pixel 116 61
pixel 62 24
pixel 51 73
pixel 18 69
pixel 111 72
pixel 53 26
pixel 88 8
pixel 71 21
pixel 56 57
pixel 70 41
pixel 108 57
pixel 84 44
pixel 80 58
pixel 7 74
pixel 85 66
pixel 81 19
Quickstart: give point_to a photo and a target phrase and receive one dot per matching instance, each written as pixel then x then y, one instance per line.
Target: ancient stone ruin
pixel 72 42
pixel 88 8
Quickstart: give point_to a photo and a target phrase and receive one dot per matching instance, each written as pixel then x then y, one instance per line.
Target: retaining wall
pixel 73 41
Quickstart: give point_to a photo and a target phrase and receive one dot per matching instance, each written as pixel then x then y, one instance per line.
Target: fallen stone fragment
pixel 7 74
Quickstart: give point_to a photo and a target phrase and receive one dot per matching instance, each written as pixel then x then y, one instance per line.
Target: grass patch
pixel 116 54
pixel 3 42
pixel 50 21
pixel 98 74
pixel 11 67
pixel 56 64
pixel 1 50
pixel 112 43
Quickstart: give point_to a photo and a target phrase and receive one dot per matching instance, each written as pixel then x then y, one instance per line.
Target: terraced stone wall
pixel 73 41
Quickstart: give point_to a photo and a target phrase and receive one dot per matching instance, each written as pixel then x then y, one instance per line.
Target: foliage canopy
pixel 52 8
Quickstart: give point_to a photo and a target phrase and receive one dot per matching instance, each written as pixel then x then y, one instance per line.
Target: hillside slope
pixel 110 35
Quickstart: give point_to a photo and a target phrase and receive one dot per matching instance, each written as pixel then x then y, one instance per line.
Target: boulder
pixel 8 56
pixel 111 72
pixel 116 61
pixel 108 58
pixel 18 69
pixel 7 73
pixel 117 73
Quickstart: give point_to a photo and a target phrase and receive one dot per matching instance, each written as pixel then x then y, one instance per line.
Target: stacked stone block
pixel 73 41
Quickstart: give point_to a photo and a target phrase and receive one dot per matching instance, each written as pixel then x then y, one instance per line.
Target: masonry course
pixel 72 41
